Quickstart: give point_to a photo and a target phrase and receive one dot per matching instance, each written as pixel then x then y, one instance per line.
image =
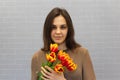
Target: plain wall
pixel 96 23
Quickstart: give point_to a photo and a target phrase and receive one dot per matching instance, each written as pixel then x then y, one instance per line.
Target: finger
pixel 49 69
pixel 45 75
pixel 44 78
pixel 45 71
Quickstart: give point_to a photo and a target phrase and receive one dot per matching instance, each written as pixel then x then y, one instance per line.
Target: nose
pixel 58 31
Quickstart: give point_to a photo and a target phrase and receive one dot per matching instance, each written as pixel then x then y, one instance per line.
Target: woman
pixel 58 28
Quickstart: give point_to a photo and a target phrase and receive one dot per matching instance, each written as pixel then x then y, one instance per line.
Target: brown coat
pixel 80 56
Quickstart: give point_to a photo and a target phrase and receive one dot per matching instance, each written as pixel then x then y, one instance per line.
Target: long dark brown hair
pixel 70 41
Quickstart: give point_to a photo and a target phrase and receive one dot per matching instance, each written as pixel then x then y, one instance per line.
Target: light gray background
pixel 96 23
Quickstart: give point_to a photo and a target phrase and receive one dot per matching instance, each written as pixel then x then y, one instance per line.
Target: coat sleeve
pixel 88 71
pixel 34 67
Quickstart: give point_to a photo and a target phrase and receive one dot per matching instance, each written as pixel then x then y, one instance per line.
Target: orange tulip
pixel 72 67
pixel 62 55
pixel 53 47
pixel 51 57
pixel 58 68
pixel 66 60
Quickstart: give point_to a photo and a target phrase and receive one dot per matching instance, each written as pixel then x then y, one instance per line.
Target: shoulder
pixel 84 53
pixel 37 53
pixel 81 49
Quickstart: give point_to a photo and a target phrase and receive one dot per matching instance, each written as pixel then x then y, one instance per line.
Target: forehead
pixel 59 20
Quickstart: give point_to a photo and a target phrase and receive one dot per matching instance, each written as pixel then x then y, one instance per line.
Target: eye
pixel 63 27
pixel 54 27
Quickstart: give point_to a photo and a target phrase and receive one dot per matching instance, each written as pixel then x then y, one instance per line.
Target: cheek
pixel 66 32
pixel 52 33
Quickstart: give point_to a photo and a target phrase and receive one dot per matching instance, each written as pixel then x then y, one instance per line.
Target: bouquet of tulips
pixel 58 61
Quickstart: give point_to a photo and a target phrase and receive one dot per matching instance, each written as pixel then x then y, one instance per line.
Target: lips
pixel 58 37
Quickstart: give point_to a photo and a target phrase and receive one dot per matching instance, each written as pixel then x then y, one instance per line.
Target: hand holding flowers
pixel 56 63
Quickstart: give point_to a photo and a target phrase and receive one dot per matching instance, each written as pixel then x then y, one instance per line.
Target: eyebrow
pixel 64 25
pixel 60 25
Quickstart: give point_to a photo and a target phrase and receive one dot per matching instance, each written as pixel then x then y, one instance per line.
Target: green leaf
pixel 49 64
pixel 39 76
pixel 52 67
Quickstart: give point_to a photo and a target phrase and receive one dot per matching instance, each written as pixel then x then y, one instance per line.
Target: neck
pixel 62 46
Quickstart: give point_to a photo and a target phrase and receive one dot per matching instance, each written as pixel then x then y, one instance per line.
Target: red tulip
pixel 53 47
pixel 66 60
pixel 72 67
pixel 58 68
pixel 62 55
pixel 51 57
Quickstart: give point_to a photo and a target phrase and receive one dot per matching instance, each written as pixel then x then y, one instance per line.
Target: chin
pixel 58 42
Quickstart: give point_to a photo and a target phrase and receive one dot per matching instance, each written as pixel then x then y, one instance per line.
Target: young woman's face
pixel 59 30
